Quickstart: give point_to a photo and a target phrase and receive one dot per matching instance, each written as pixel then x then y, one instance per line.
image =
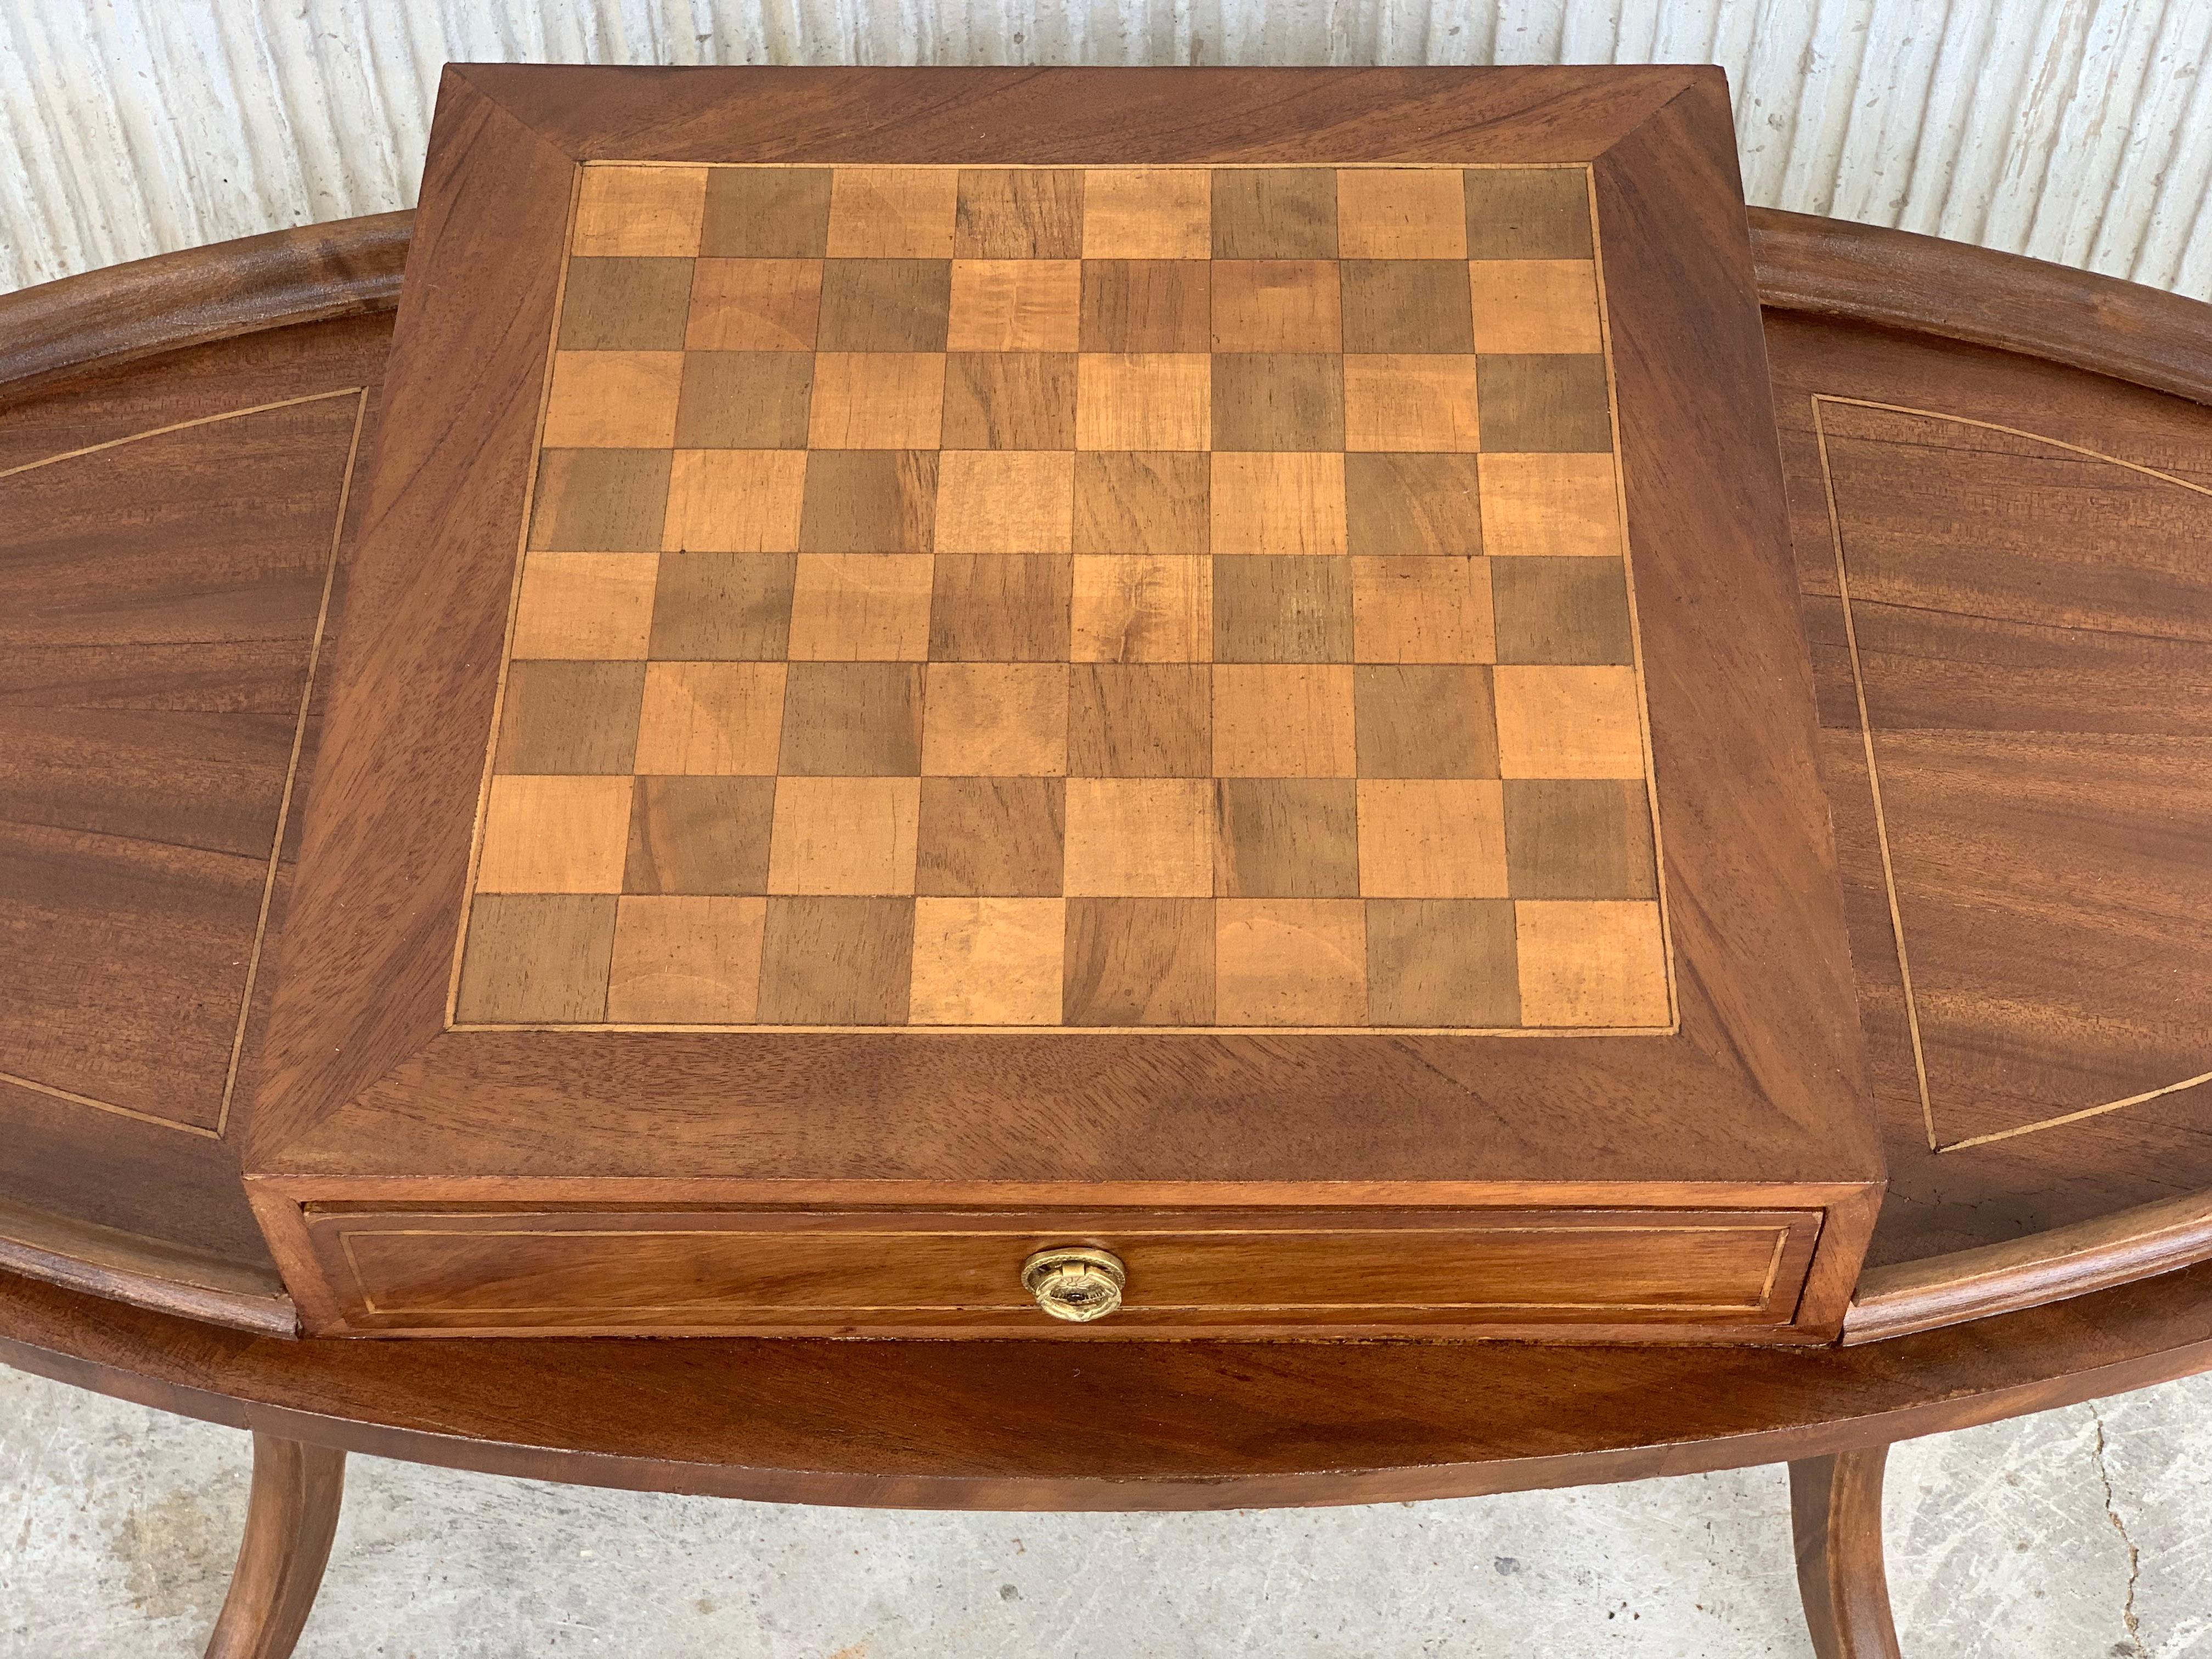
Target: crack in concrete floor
pixel 2040 1538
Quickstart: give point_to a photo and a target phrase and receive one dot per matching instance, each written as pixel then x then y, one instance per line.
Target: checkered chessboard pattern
pixel 1089 598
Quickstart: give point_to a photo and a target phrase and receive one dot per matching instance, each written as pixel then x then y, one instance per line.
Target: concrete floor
pixel 2081 1534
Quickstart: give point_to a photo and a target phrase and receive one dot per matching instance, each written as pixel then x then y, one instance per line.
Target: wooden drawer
pixel 1188 1273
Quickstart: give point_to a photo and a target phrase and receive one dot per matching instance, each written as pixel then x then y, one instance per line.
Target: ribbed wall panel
pixel 2078 130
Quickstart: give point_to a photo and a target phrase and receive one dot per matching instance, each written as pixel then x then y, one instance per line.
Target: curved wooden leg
pixel 288 1523
pixel 1835 1510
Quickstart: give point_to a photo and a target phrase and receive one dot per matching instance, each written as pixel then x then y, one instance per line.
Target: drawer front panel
pixel 459 1270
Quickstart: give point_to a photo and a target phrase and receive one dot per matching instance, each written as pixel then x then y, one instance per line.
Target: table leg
pixel 1835 1510
pixel 288 1523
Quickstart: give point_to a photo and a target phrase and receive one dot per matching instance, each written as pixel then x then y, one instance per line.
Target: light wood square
pixel 877 400
pixel 1006 501
pixel 1283 720
pixel 1278 502
pixel 1579 722
pixel 613 399
pixel 1535 304
pixel 1592 965
pixel 640 211
pixel 1139 837
pixel 862 607
pixel 586 606
pixel 1277 305
pixel 1016 305
pixel 1411 401
pixel 685 960
pixel 1431 838
pixel 1148 213
pixel 734 501
pixel 1144 400
pixel 754 305
pixel 1550 505
pixel 711 719
pixel 1290 962
pixel 855 836
pixel 988 961
pixel 994 719
pixel 1422 608
pixel 1140 607
pixel 555 835
pixel 1400 213
pixel 892 213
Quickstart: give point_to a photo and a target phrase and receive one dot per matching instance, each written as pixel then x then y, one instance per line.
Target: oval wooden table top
pixel 2000 474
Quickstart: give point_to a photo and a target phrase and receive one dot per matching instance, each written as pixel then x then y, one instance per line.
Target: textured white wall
pixel 2078 130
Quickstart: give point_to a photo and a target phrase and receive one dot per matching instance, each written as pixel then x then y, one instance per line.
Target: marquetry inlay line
pixel 369 1305
pixel 1874 772
pixel 291 766
pixel 1119 603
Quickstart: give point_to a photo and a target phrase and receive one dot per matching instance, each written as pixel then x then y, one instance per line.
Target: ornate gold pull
pixel 1075 1282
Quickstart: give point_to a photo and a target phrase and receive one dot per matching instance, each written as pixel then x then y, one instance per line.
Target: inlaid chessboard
pixel 1107 598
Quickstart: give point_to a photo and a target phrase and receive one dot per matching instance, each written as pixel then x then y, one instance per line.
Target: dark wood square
pixel 1009 400
pixel 1579 838
pixel 1282 608
pixel 1561 610
pixel 1145 305
pixel 833 961
pixel 570 717
pixel 1528 212
pixel 1397 505
pixel 625 305
pixel 1423 721
pixel 722 607
pixel 599 500
pixel 885 305
pixel 1278 400
pixel 1407 305
pixel 699 836
pixel 1138 961
pixel 780 213
pixel 999 607
pixel 991 837
pixel 852 720
pixel 1141 720
pixel 1274 212
pixel 869 501
pixel 1433 961
pixel 744 400
pixel 1288 838
pixel 1544 403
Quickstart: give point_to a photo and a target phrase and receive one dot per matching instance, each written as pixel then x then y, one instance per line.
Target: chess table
pixel 1996 501
pixel 1079 729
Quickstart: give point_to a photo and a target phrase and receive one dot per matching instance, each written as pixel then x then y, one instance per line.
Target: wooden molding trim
pixel 146 1272
pixel 2047 1267
pixel 1927 285
pixel 119 314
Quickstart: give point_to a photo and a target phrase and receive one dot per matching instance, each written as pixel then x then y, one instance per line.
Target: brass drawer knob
pixel 1075 1282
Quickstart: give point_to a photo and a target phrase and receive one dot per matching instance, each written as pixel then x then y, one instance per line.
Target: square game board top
pixel 1064 596
pixel 1017 625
